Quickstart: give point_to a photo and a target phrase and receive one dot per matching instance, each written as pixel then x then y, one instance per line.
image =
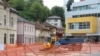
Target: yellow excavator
pixel 50 42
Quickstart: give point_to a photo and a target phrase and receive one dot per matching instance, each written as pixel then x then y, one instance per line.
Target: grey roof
pixel 20 19
pixel 40 26
pixel 53 17
pixel 13 10
pixel 48 25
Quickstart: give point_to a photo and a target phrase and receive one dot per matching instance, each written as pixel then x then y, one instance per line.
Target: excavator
pixel 50 42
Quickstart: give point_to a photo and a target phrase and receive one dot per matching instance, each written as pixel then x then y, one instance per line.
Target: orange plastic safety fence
pixel 23 50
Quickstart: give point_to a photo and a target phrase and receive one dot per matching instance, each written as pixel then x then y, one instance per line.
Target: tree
pixel 13 3
pixel 69 4
pixel 46 13
pixel 18 5
pixel 7 0
pixel 31 9
pixel 58 11
pixel 36 11
pixel 29 2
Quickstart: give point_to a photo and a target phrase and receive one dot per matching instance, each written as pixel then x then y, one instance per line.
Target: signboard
pixel 1 47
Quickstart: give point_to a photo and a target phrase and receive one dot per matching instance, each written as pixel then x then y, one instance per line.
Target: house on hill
pixel 55 21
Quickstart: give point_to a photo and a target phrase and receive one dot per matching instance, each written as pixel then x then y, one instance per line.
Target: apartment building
pixel 83 20
pixel 8 23
pixel 25 31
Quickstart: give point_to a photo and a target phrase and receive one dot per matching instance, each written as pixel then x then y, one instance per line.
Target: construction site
pixel 79 37
pixel 38 49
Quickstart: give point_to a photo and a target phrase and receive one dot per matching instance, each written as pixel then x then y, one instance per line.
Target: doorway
pixel 5 38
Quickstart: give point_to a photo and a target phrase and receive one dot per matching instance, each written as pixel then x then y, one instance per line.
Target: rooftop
pixel 20 19
pixel 40 26
pixel 47 24
pixel 53 17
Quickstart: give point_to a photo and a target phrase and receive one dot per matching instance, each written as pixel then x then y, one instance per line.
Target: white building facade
pixel 8 24
pixel 55 21
pixel 83 19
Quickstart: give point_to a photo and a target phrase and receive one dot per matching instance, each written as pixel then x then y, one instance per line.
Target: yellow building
pixel 83 20
pixel 81 25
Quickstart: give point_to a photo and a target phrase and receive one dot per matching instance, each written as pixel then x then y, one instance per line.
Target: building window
pixel 5 38
pixel 30 40
pixel 71 26
pixel 85 7
pixel 55 24
pixel 79 25
pixel 5 20
pixel 11 38
pixel 25 28
pixel 12 23
pixel 87 15
pixel 5 7
pixel 30 28
pixel 55 20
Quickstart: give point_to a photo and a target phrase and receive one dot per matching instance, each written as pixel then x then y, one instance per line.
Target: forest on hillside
pixel 34 10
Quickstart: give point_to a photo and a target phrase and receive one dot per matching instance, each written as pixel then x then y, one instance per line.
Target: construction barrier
pixel 35 49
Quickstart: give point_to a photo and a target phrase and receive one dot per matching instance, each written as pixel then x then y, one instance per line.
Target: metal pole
pixel 2 53
pixel 90 46
pixel 25 49
pixel 24 40
pixel 6 50
pixel 16 50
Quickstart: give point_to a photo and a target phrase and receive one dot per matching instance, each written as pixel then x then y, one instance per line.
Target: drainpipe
pixel 7 31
